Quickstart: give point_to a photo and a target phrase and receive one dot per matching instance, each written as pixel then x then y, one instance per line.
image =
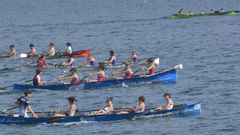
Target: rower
pixel 73 76
pixel 136 109
pixel 128 71
pixel 70 110
pixel 134 56
pixel 100 73
pixel 37 78
pixel 69 62
pixel 69 48
pixel 41 63
pixel 151 67
pixel 108 109
pixel 168 99
pixel 11 53
pixel 33 51
pixel 92 61
pixel 202 13
pixel 24 105
pixel 180 12
pixel 221 10
pixel 112 60
pixel 51 51
pixel 190 13
pixel 211 11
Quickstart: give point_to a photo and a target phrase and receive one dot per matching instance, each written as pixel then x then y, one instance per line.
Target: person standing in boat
pixel 169 101
pixel 33 51
pixel 133 57
pixel 108 109
pixel 70 110
pixel 41 63
pixel 112 59
pixel 127 71
pixel 100 73
pixel 151 67
pixel 73 76
pixel 11 53
pixel 37 78
pixel 24 105
pixel 51 51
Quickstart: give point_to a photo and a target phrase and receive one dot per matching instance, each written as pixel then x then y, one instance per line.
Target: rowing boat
pixel 87 116
pixel 181 16
pixel 167 76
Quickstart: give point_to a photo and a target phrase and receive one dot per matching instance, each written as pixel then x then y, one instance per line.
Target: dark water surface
pixel 208 48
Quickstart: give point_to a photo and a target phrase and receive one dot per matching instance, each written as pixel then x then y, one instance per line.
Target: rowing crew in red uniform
pixel 151 67
pixel 73 77
pixel 127 71
pixel 37 78
pixel 41 63
pixel 100 73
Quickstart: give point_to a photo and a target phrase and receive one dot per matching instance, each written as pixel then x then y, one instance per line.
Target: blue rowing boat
pixel 87 116
pixel 166 76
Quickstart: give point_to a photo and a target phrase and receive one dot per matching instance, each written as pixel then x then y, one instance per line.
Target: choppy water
pixel 208 48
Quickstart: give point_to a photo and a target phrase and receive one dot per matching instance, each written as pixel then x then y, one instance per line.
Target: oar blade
pixel 23 55
pixel 179 66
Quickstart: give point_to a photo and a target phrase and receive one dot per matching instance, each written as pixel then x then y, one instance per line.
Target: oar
pixel 135 72
pixel 6 87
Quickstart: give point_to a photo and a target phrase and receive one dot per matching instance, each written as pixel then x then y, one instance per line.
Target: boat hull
pixel 181 16
pixel 168 76
pixel 184 110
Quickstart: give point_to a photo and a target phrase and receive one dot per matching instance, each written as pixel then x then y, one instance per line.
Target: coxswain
pixel 112 59
pixel 33 51
pixel 127 71
pixel 70 110
pixel 41 63
pixel 51 51
pixel 37 78
pixel 73 77
pixel 151 67
pixel 169 102
pixel 11 53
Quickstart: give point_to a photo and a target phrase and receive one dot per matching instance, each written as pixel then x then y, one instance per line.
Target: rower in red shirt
pixel 42 62
pixel 151 67
pixel 128 72
pixel 37 78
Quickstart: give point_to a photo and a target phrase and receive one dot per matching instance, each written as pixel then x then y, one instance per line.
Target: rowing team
pixel 24 105
pixel 190 12
pixel 33 50
pixel 73 76
pixel 92 62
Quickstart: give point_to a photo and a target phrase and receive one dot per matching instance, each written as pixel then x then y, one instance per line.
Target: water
pixel 208 48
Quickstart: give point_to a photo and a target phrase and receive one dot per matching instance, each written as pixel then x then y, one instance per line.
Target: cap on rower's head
pixel 109 99
pixel 26 93
pixel 141 98
pixel 68 44
pixel 11 46
pixel 167 94
pixel 72 99
pixel 38 71
pixel 31 45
